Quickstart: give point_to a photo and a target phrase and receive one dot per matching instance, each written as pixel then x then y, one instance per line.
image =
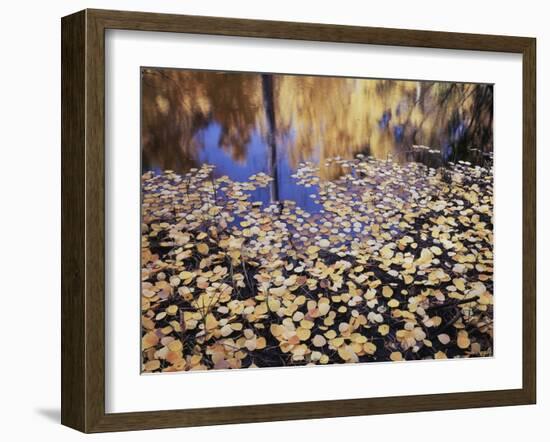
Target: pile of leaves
pixel 397 265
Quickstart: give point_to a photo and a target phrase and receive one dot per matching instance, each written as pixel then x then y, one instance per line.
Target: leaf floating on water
pixel 186 275
pixel 226 330
pixel 149 340
pixel 345 352
pixel 485 299
pixel 369 348
pixel 203 248
pixel 426 257
pixel 274 304
pixel 386 252
pixel 303 333
pixel 444 338
pixel 318 341
pixel 172 309
pixel 175 346
pixel 396 356
pixel 312 250
pixel 323 308
pixel 324 243
pixel 151 365
pixel 463 340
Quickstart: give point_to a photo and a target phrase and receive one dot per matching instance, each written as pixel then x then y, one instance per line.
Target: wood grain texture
pixel 73 128
pixel 529 220
pixel 83 219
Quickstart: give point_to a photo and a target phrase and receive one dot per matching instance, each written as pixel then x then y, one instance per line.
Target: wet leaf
pixel 232 282
pixel 151 365
pixel 319 341
pixel 462 340
pixel 396 356
pixel 444 338
pixel 203 248
pixel 303 333
pixel 149 340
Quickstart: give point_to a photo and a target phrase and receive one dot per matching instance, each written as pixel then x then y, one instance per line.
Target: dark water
pixel 240 123
pixel 257 153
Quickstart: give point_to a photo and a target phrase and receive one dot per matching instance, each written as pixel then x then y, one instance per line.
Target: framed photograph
pixel 270 220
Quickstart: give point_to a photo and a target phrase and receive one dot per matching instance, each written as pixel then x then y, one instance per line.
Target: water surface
pixel 246 123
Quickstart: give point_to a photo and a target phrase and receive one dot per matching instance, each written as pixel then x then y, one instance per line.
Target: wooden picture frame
pixel 83 219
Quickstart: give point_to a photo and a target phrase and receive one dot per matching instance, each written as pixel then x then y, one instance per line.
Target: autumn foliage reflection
pixel 316 117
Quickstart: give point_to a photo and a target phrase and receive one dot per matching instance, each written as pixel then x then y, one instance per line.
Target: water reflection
pixel 248 123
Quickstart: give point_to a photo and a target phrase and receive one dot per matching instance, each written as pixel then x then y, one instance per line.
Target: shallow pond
pixel 244 124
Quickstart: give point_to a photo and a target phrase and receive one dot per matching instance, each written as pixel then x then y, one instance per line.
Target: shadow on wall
pixel 51 414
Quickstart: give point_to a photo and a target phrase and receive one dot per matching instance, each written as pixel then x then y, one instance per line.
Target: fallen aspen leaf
pixel 462 340
pixel 387 291
pixel 396 356
pixel 444 338
pixel 203 248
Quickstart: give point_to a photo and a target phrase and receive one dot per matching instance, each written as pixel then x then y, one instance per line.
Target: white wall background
pixel 30 215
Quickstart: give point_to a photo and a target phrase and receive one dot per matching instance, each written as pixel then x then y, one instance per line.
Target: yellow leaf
pixel 211 322
pixel 459 284
pixel 345 352
pixel 202 248
pixel 323 309
pixel 318 341
pixel 426 257
pixel 273 304
pixel 387 291
pixel 369 348
pixel 462 340
pixel 311 250
pixel 386 252
pixel 175 345
pixel 358 338
pixel 149 340
pixel 276 330
pixel 324 243
pixel 436 250
pixel 485 299
pixel 384 329
pixel 444 338
pixel 186 275
pixel 226 330
pixel 299 350
pixel 396 356
pixel 172 309
pixel 260 343
pixel 151 365
pixel 303 333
